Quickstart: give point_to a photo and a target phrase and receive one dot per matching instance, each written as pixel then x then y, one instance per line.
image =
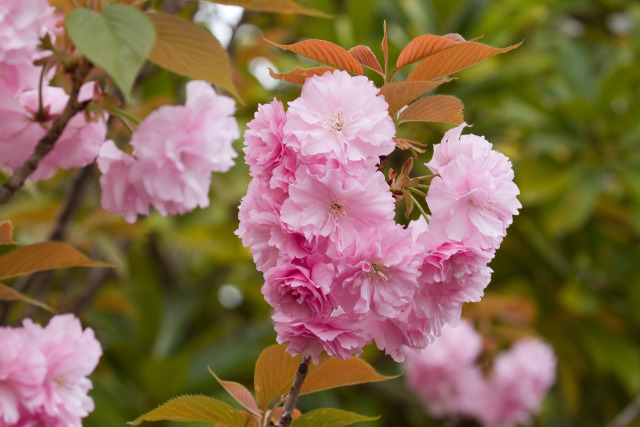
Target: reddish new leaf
pixel 43 256
pixel 299 75
pixel 399 94
pixel 325 52
pixel 421 47
pixel 7 293
pixel 239 393
pixel 6 232
pixel 455 58
pixel 338 373
pixel 274 373
pixel 437 108
pixel 365 56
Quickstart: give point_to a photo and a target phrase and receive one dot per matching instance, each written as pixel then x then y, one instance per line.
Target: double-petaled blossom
pixel 338 116
pixel 175 150
pixel 21 26
pixel 317 196
pixel 519 380
pixel 43 373
pixel 444 375
pixel 449 379
pixel 473 198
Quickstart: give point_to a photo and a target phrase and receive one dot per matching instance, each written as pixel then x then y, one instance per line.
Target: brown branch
pixel 626 417
pixel 292 398
pixel 45 145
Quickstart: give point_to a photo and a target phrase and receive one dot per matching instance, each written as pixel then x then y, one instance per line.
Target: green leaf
pixel 239 393
pixel 193 408
pixel 337 373
pixel 43 256
pixel 118 39
pixel 275 6
pixel 189 50
pixel 329 418
pixel 9 294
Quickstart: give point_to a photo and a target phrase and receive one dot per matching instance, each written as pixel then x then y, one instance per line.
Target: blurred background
pixel 565 107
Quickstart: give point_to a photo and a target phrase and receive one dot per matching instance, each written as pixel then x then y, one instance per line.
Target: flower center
pixel 335 122
pixel 379 272
pixel 336 208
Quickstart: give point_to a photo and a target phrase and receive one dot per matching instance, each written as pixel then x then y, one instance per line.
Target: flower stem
pixel 417 204
pixel 45 145
pixel 292 398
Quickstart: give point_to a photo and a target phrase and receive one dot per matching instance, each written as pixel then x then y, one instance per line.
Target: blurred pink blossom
pixel 43 373
pixel 21 25
pixel 175 150
pixel 519 380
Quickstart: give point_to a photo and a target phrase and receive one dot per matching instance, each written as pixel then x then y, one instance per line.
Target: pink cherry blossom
pixel 444 374
pixel 519 380
pixel 21 25
pixel 71 354
pixel 264 147
pixel 453 145
pixel 120 195
pixel 338 335
pixel 378 273
pixel 22 371
pixel 300 291
pixel 78 145
pixel 336 205
pixel 175 150
pixel 340 116
pixel 474 199
pixel 260 227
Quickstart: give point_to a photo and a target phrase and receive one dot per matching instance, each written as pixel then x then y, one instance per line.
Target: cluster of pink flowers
pixel 22 23
pixel 43 373
pixel 175 150
pixel 319 217
pixel 450 382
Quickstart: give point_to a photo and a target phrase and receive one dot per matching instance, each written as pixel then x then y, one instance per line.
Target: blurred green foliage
pixel 564 107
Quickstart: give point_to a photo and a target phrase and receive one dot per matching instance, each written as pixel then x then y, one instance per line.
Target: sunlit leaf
pixel 338 373
pixel 43 256
pixel 193 408
pixel 324 52
pixel 299 75
pixel 6 233
pixel 399 94
pixel 421 47
pixel 437 108
pixel 329 417
pixel 274 373
pixel 239 393
pixel 10 294
pixel 117 39
pixel 365 56
pixel 249 420
pixel 455 58
pixel 190 50
pixel 275 6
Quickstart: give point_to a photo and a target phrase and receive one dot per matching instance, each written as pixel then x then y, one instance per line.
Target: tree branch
pixel 292 398
pixel 45 145
pixel 628 414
